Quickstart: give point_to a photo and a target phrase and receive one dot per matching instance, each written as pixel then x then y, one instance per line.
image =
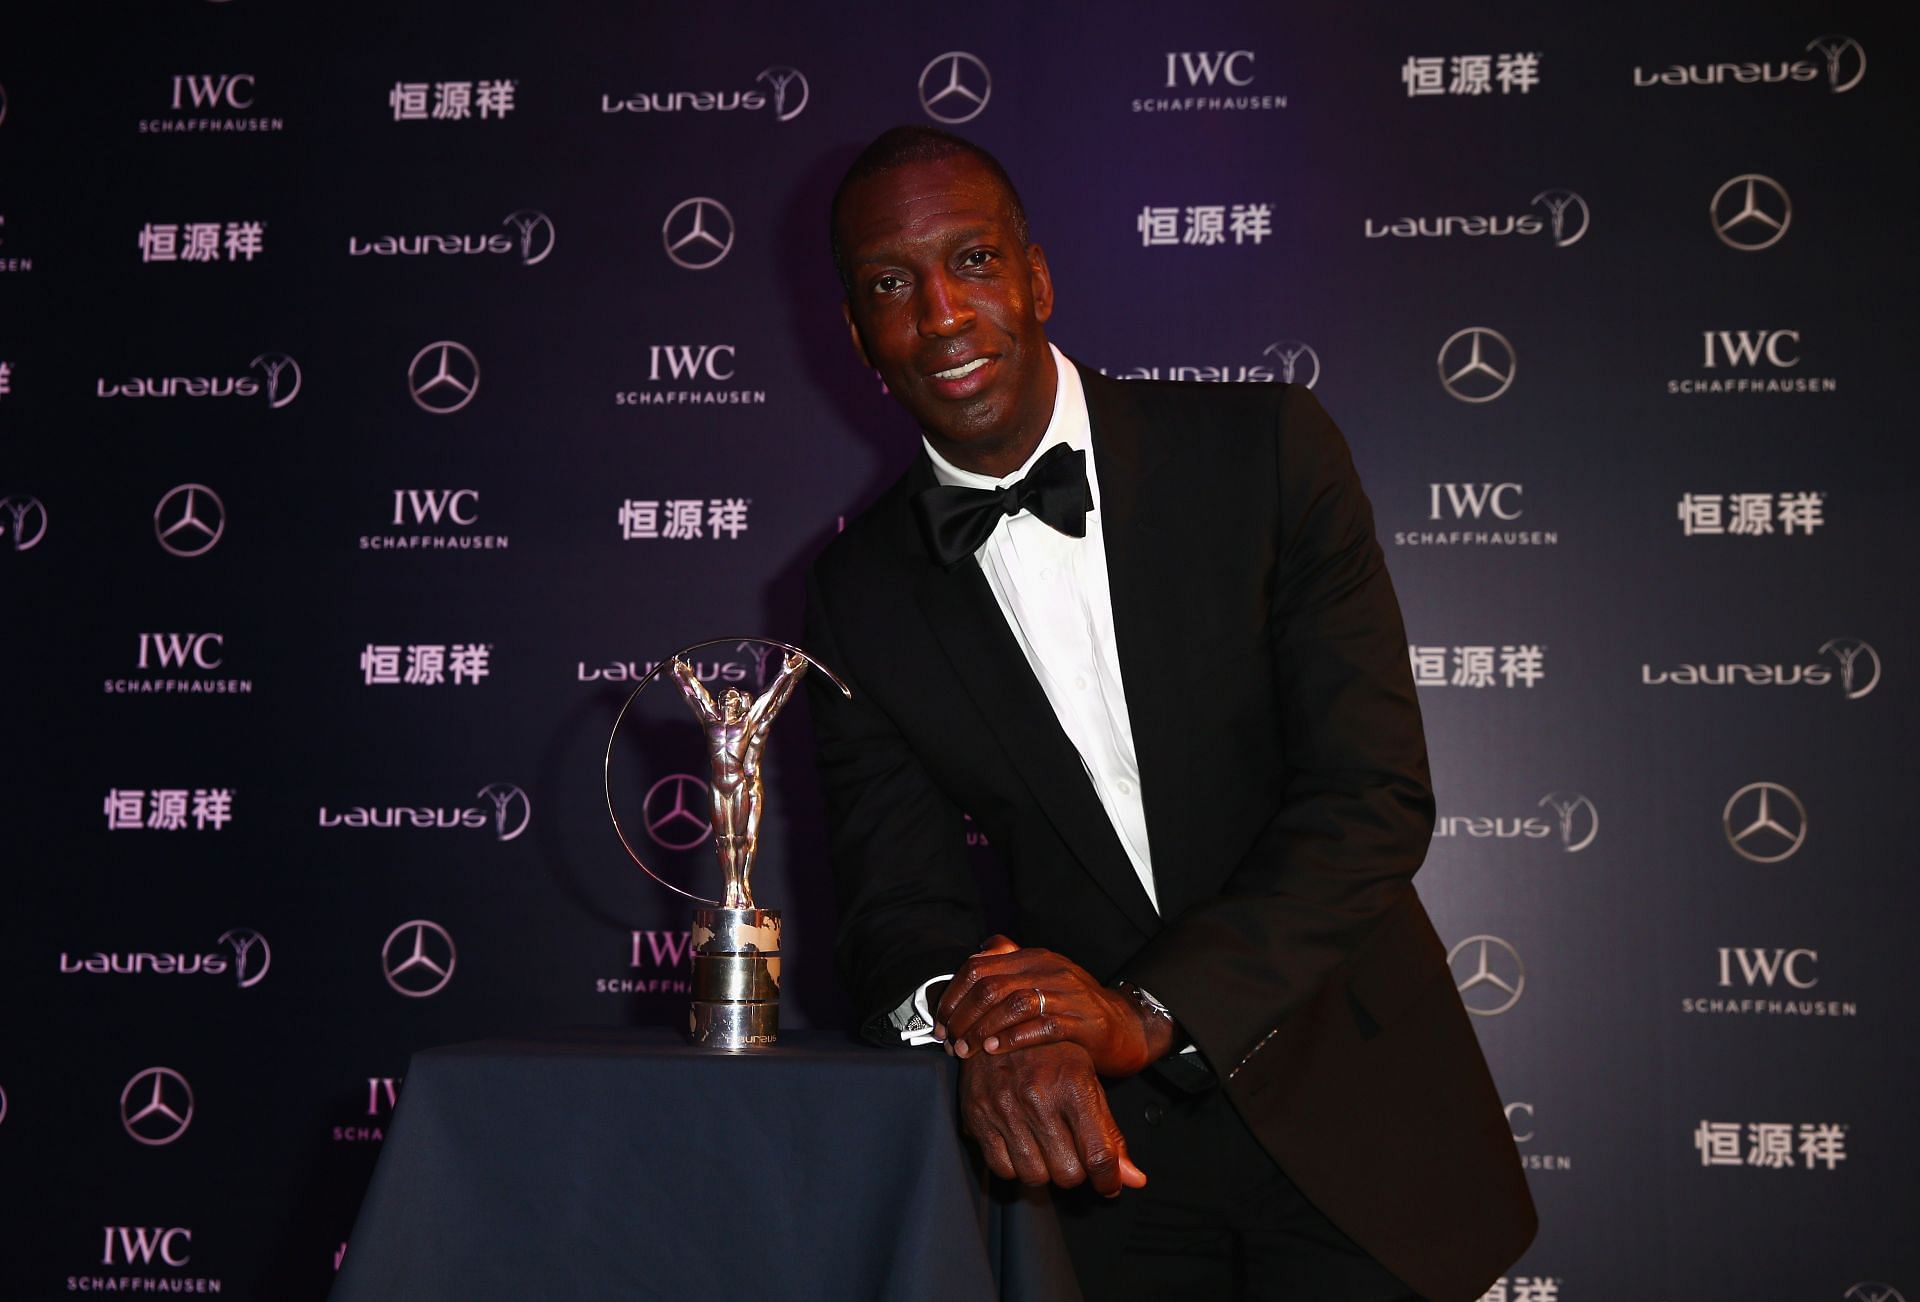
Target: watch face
pixel 1146 1000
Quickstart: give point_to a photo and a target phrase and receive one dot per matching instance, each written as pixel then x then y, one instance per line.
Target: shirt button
pixel 1079 682
pixel 1045 575
pixel 1125 787
pixel 1155 1112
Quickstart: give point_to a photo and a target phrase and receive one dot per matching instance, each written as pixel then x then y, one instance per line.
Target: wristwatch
pixel 1143 1001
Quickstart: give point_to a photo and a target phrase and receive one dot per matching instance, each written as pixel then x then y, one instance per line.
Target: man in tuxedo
pixel 1143 634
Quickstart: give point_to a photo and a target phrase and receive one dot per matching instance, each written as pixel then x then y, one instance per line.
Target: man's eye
pixel 886 284
pixel 977 258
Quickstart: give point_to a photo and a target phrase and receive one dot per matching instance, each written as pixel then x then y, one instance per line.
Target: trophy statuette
pixel 735 943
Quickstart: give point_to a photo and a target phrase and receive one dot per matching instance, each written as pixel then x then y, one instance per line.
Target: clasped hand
pixel 1030 1091
pixel 1008 998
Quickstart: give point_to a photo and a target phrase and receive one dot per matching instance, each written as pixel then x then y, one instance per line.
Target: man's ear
pixel 853 333
pixel 1040 282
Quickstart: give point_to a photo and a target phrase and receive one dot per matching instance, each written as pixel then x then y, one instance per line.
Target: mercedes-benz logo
pixel 676 812
pixel 156 1106
pixel 1764 822
pixel 955 87
pixel 418 958
pixel 512 811
pixel 1751 212
pixel 698 233
pixel 1493 969
pixel 790 92
pixel 1477 364
pixel 252 956
pixel 1856 678
pixel 1576 817
pixel 23 521
pixel 1567 214
pixel 1872 1291
pixel 283 377
pixel 1299 364
pixel 443 377
pixel 1841 77
pixel 189 519
pixel 536 235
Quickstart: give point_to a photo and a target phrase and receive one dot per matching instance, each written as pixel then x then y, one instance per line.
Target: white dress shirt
pixel 1053 591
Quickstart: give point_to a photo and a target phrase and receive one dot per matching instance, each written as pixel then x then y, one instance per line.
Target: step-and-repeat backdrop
pixel 383 393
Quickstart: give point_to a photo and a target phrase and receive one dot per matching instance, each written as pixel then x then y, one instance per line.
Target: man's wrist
pixel 1157 1026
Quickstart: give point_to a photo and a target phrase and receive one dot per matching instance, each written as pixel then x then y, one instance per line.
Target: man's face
pixel 733 706
pixel 947 304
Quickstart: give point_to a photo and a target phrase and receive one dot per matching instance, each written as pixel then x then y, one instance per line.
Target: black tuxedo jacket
pixel 1287 800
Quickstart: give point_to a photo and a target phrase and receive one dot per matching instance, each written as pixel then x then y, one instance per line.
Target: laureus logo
pixel 512 811
pixel 790 93
pixel 1845 60
pixel 1567 216
pixel 283 377
pixel 252 956
pixel 535 230
pixel 1576 818
pixel 23 521
pixel 1296 362
pixel 1859 665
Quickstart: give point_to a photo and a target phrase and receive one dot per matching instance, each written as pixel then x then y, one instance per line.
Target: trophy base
pixel 736 978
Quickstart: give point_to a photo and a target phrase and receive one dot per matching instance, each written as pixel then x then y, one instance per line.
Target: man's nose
pixel 943 308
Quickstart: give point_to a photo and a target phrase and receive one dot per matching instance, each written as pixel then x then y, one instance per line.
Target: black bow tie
pixel 957 520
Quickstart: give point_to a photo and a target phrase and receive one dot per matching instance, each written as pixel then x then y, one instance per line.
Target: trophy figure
pixel 736 735
pixel 736 944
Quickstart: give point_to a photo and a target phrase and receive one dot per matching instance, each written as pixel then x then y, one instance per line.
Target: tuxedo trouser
pixel 1218 1218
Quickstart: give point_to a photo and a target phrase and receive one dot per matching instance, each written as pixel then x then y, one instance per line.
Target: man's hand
pixel 1040 1116
pixel 1007 998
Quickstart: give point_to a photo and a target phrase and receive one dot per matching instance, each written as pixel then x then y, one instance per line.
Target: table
pixel 601 1164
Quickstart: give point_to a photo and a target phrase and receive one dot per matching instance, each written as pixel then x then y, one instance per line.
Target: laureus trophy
pixel 735 943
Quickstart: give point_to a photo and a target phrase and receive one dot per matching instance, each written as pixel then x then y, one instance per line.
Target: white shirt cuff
pixel 912 1018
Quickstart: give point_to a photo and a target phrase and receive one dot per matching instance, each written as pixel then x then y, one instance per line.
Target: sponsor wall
pixel 384 395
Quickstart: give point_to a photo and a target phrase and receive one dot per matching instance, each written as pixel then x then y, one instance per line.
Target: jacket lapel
pixel 967 622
